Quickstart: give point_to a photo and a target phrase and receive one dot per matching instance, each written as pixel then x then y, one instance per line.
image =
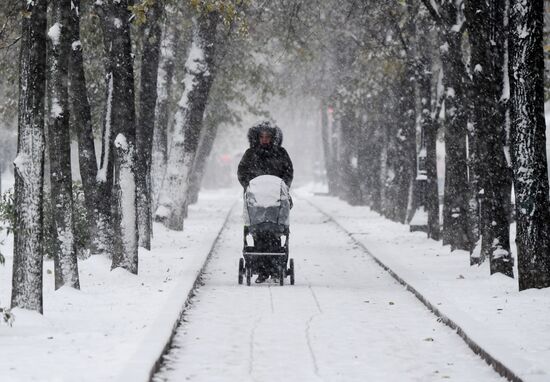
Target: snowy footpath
pixel 346 319
pixel 117 325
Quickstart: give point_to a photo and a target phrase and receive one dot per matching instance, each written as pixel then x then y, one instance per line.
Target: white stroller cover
pixel 267 200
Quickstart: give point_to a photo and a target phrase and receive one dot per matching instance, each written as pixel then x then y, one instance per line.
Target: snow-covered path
pixel 345 320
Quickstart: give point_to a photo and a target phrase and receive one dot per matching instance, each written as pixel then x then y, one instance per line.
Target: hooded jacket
pixel 271 159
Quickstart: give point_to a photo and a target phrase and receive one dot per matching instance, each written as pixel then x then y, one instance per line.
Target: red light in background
pixel 225 158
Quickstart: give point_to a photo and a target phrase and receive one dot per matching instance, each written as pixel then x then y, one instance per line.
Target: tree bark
pixel 455 206
pixel 105 171
pixel 116 175
pixel 200 72
pixel 406 140
pixel 369 156
pixel 486 24
pixel 144 133
pixel 65 261
pixel 327 150
pixel 383 164
pixel 409 84
pixel 81 116
pixel 208 136
pixel 348 160
pixel 395 195
pixel 125 254
pixel 429 132
pixel 169 47
pixel 528 142
pixel 29 163
pixel 123 122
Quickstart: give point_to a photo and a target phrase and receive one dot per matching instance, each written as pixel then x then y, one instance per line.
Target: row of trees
pixel 468 72
pixel 169 74
pixel 155 79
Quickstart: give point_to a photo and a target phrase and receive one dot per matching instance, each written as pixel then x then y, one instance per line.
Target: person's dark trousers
pixel 266 242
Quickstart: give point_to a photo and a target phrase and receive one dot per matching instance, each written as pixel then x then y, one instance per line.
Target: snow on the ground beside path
pixel 112 323
pixel 512 326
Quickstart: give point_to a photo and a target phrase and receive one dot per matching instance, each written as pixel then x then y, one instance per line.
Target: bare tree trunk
pixel 369 156
pixel 189 119
pixel 66 267
pixel 406 139
pixel 145 127
pixel 124 203
pixel 105 172
pixel 82 119
pixel 327 150
pixel 395 192
pixel 348 163
pixel 125 253
pixel 206 143
pixel 169 47
pixel 336 138
pixel 429 129
pixel 456 211
pixel 29 163
pixel 456 207
pixel 383 160
pixel 486 24
pixel 528 142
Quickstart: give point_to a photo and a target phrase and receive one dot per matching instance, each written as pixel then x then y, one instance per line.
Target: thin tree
pixel 528 142
pixel 487 41
pixel 82 121
pixel 449 19
pixel 420 37
pixel 327 149
pixel 429 134
pixel 170 46
pixel 125 251
pixel 29 163
pixel 152 34
pixel 105 171
pixel 406 161
pixel 206 143
pixel 65 261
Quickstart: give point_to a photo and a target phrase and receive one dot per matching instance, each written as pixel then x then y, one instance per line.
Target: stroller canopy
pixel 267 200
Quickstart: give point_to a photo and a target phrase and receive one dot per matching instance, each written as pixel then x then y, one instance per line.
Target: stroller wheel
pixel 291 271
pixel 248 275
pixel 241 270
pixel 281 275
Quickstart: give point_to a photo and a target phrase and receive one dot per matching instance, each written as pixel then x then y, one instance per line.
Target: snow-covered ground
pixel 117 324
pixel 345 319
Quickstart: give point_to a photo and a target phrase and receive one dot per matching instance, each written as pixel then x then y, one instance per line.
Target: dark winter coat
pixel 269 160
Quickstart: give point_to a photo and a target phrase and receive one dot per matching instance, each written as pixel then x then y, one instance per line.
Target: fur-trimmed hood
pixel 254 133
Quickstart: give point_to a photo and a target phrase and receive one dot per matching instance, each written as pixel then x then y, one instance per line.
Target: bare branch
pixel 10 44
pixel 433 12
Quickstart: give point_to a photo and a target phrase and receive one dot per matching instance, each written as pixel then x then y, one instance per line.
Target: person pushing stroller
pixel 265 156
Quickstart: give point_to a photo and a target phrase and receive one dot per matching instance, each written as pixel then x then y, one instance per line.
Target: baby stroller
pixel 267 206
